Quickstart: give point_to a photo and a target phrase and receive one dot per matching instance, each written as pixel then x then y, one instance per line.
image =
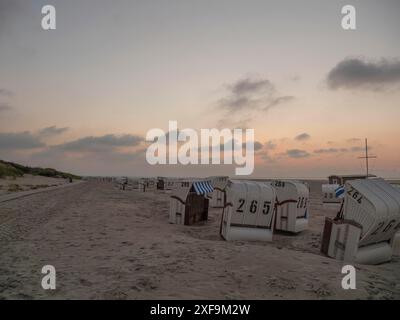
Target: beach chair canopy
pixel 202 187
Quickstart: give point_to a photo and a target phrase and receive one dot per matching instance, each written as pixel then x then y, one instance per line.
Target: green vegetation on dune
pixel 7 170
pixel 10 169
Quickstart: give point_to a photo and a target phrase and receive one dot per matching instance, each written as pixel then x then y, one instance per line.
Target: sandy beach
pixel 112 244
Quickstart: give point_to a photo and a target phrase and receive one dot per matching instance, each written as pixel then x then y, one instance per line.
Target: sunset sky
pixel 82 97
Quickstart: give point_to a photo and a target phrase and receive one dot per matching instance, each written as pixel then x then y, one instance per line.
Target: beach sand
pixel 112 244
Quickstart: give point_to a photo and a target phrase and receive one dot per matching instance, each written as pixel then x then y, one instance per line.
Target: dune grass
pixel 10 169
pixel 7 170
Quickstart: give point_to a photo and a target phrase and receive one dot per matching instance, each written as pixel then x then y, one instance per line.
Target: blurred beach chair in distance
pixel 147 184
pixel 329 194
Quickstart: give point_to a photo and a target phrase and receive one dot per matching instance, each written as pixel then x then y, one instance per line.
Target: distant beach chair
pixel 292 212
pixel 189 203
pixel 217 199
pixel 147 184
pixel 329 194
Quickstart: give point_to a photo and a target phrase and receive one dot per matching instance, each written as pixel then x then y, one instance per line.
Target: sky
pixel 81 98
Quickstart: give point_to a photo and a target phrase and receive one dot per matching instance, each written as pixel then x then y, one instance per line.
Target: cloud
pixel 330 150
pixel 111 158
pixel 264 153
pixel 5 107
pixel 353 140
pixel 278 101
pixel 246 93
pixel 237 103
pixel 358 149
pixel 251 86
pixel 6 93
pixel 100 144
pixel 295 78
pixel 242 123
pixel 247 99
pixel 337 150
pixel 19 141
pixel 91 151
pixel 269 145
pixel 257 145
pixel 302 137
pixel 250 93
pixel 87 154
pixel 52 131
pixel 8 11
pixel 356 73
pixel 297 153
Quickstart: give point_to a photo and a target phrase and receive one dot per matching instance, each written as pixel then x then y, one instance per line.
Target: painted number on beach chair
pixel 302 203
pixel 241 204
pixel 253 206
pixel 280 184
pixel 387 228
pixel 355 194
pixel 389 225
pixel 267 207
pixel 380 225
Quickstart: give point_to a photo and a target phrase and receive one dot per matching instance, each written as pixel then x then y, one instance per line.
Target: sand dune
pixel 111 244
pixel 28 182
